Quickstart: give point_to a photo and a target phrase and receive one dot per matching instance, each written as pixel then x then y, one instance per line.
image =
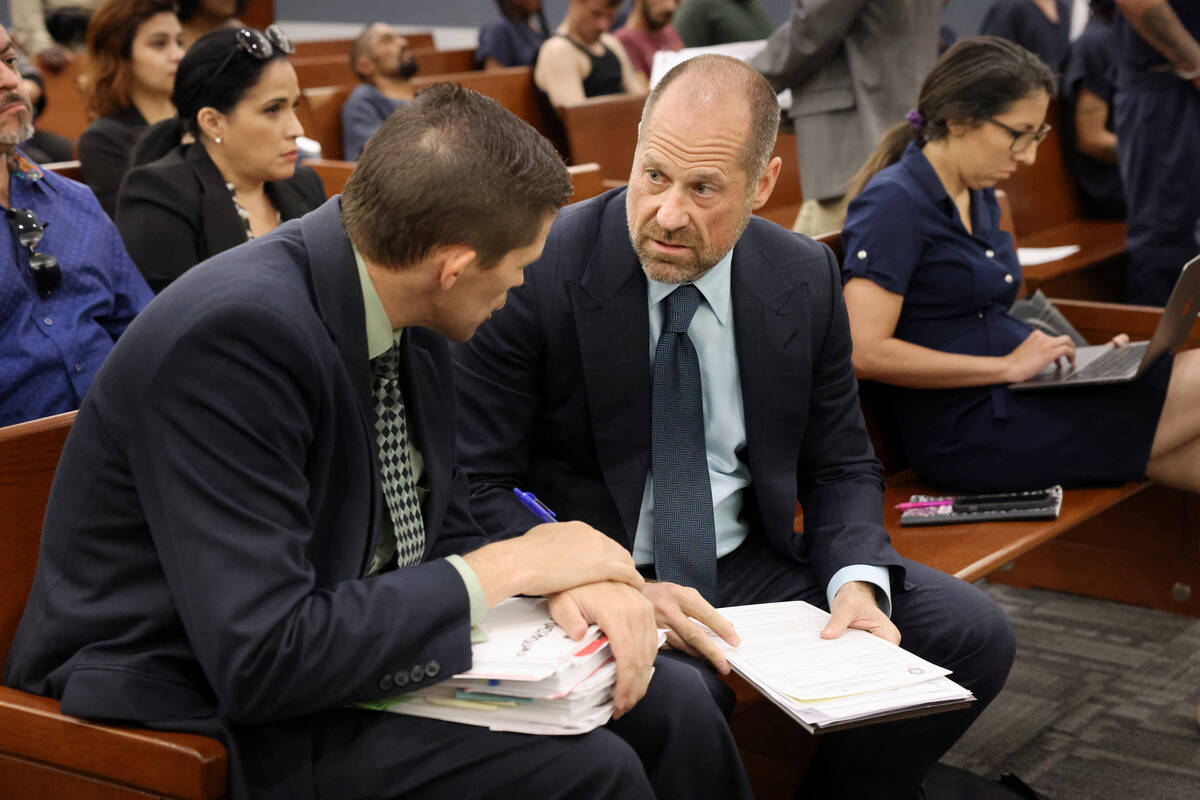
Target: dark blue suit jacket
pixel 217 505
pixel 555 393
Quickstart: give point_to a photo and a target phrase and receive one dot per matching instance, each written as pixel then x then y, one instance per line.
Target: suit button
pixel 981 315
pixel 432 668
pixel 1008 278
pixel 385 683
pixel 401 679
pixel 417 673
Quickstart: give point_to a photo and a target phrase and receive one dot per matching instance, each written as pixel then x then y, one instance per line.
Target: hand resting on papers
pixel 854 606
pixel 675 607
pixel 627 619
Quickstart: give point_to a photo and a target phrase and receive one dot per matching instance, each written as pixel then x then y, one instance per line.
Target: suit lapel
pixel 768 313
pixel 338 298
pixel 613 329
pixel 223 228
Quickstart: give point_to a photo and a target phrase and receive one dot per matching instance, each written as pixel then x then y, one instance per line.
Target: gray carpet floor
pixel 1101 702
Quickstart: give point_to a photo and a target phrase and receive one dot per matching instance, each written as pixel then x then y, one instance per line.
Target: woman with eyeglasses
pixel 929 281
pixel 223 170
pixel 134 48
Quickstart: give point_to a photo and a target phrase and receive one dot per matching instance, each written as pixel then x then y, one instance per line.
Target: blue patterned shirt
pixel 50 349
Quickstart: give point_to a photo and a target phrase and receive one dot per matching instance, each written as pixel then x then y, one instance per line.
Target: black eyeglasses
pixel 1022 140
pixel 28 231
pixel 258 45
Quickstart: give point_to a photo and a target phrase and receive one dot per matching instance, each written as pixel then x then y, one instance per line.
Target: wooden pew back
pixel 1044 195
pixel 511 87
pixel 321 115
pixel 331 70
pixel 341 47
pixel 28 457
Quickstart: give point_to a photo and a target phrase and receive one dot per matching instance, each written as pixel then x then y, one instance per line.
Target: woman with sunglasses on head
pixel 223 170
pixel 134 48
pixel 929 281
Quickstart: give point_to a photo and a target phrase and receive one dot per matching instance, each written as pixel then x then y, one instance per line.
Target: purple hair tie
pixel 917 120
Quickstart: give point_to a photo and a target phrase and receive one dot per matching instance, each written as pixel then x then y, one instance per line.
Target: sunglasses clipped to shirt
pixel 259 45
pixel 28 231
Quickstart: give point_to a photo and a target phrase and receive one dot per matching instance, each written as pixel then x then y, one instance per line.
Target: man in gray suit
pixel 854 67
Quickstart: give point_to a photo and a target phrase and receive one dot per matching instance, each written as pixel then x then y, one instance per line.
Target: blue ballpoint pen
pixel 536 507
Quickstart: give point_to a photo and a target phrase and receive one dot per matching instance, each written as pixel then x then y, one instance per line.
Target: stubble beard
pixel 24 129
pixel 685 268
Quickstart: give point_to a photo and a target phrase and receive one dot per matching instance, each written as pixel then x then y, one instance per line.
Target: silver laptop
pixel 1106 363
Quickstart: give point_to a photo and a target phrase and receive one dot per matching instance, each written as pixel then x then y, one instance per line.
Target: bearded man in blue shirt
pixel 68 289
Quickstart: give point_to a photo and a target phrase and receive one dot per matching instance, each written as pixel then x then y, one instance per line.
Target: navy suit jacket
pixel 555 393
pixel 216 508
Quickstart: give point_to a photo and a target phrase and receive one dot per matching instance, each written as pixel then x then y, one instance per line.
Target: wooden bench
pixel 511 87
pixel 331 70
pixel 1048 212
pixel 320 113
pixel 341 47
pixel 604 130
pixel 334 174
pixel 65 113
pixel 45 755
pixel 68 169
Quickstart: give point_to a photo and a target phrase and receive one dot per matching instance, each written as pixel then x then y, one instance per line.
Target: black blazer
pixel 217 505
pixel 555 393
pixel 175 212
pixel 104 150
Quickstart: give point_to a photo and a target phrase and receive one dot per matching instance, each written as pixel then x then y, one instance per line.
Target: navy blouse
pixel 904 234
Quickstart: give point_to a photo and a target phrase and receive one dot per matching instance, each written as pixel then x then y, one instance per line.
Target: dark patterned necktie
pixel 685 543
pixel 395 462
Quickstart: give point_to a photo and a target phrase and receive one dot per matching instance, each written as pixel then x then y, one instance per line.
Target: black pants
pixel 673 744
pixel 941 619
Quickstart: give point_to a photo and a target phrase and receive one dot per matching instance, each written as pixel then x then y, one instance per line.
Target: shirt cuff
pixel 475 594
pixel 876 576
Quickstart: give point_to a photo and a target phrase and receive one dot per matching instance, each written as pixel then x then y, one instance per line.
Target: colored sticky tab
pixel 454 702
pixel 498 699
pixel 592 647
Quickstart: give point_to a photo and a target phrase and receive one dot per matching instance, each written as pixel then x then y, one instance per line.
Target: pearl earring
pixel 217 140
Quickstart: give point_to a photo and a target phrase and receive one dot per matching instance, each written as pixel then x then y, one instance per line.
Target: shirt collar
pixel 21 166
pixel 380 335
pixel 915 161
pixel 714 285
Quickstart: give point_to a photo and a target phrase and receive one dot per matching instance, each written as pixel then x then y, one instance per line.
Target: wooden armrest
pixel 173 764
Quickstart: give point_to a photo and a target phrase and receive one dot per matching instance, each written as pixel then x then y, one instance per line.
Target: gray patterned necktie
pixel 395 463
pixel 685 542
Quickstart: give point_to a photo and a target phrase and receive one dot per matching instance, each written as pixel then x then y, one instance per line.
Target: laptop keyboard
pixel 1116 363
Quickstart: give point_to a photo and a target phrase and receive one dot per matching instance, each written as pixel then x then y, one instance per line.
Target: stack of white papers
pixel 528 677
pixel 829 683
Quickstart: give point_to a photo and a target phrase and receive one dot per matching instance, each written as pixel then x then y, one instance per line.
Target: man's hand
pixel 551 558
pixel 673 605
pixel 854 606
pixel 627 618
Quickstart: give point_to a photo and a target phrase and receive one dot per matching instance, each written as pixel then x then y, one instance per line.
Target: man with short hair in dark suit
pixel 258 526
pixel 677 374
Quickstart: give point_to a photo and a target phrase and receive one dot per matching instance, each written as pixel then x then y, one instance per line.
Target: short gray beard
pixel 24 131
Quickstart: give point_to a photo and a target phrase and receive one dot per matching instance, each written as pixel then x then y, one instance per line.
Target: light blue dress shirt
pixel 712 335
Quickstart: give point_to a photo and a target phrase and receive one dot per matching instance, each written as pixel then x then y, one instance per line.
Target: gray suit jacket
pixel 854 67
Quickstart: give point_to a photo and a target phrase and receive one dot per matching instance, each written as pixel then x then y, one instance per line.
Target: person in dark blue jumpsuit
pixel 929 281
pixel 1158 134
pixel 1023 22
pixel 1088 88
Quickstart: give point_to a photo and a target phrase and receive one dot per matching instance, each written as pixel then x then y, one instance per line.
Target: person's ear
pixel 365 67
pixel 766 182
pixel 212 124
pixel 452 261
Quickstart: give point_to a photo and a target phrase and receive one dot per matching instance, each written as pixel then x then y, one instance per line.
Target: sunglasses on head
pixel 28 231
pixel 259 45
